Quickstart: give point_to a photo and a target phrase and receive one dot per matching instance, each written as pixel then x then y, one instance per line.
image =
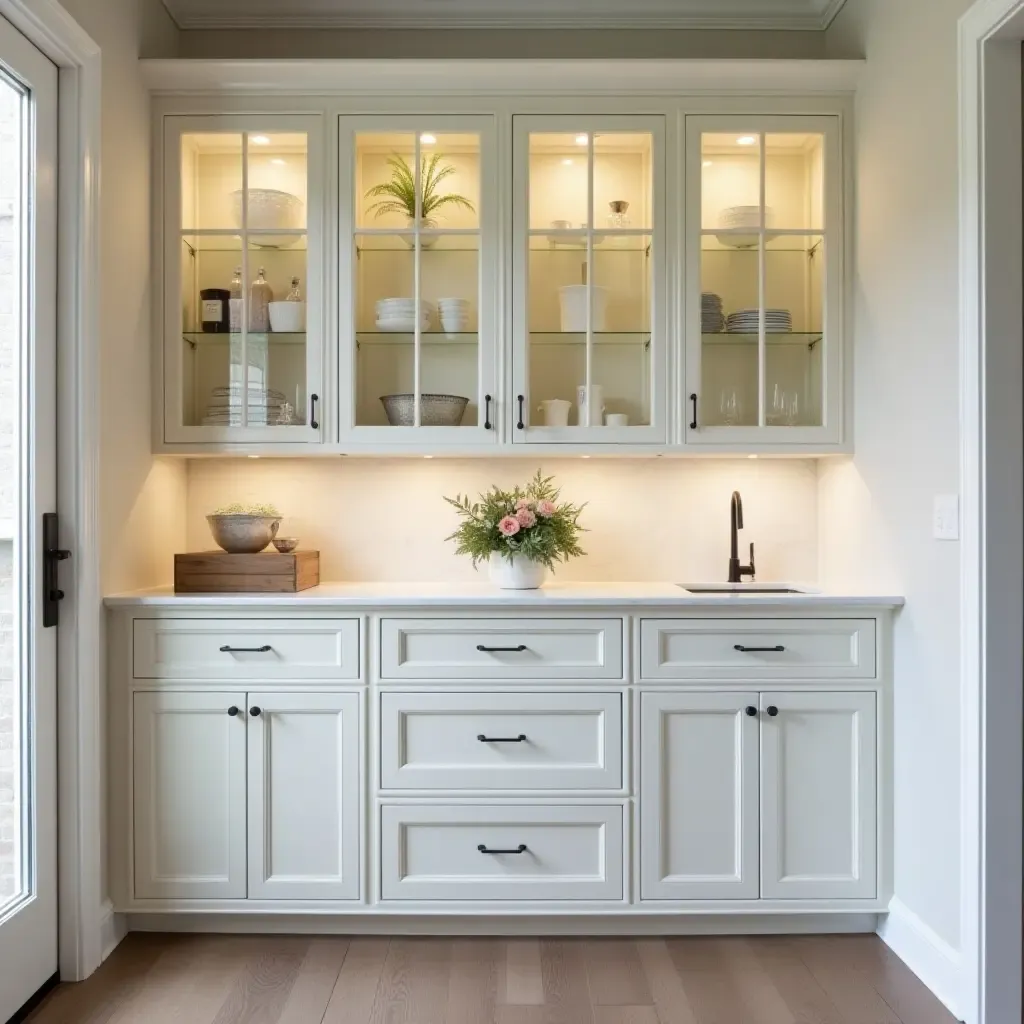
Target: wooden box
pixel 269 572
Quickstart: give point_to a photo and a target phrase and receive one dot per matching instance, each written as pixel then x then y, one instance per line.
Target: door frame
pixel 87 929
pixel 992 483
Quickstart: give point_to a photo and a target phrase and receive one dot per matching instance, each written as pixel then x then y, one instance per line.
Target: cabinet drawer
pixel 567 852
pixel 491 741
pixel 512 648
pixel 757 649
pixel 246 649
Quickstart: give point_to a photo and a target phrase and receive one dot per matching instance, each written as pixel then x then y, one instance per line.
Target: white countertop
pixel 484 595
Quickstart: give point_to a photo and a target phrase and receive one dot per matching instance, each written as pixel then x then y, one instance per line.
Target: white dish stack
pixel 742 218
pixel 225 406
pixel 400 315
pixel 454 315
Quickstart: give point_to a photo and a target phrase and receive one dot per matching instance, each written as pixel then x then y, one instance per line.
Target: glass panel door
pixel 418 279
pixel 248 312
pixel 762 305
pixel 28 293
pixel 588 280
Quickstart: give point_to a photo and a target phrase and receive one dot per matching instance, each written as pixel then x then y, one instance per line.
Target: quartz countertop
pixel 479 596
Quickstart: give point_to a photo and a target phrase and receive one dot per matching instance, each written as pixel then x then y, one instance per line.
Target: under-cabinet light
pixel 707 163
pixel 428 456
pixel 751 456
pixel 427 139
pixel 581 140
pixel 746 140
pixel 278 161
pixel 260 140
pixel 253 456
pixel 567 162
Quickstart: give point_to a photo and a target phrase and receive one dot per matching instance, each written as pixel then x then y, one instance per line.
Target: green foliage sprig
pixel 527 521
pixel 238 508
pixel 399 194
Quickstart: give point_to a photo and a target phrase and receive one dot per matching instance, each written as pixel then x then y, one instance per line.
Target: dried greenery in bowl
pixel 238 508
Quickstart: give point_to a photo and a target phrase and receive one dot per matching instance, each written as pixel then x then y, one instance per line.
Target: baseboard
pixel 547 926
pixel 113 928
pixel 930 957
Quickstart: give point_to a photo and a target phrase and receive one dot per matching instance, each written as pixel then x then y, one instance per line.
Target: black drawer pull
pixel 501 650
pixel 520 425
pixel 758 650
pixel 751 711
pixel 226 649
pixel 487 412
pixel 521 738
pixel 232 711
pixel 313 399
pixel 772 711
pixel 521 848
pixel 255 711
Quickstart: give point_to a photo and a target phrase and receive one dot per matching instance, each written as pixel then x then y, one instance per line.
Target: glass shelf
pixel 600 337
pixel 750 338
pixel 426 338
pixel 194 338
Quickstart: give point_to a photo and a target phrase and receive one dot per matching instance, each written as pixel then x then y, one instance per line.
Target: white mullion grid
pixel 590 277
pixel 762 267
pixel 416 256
pixel 244 325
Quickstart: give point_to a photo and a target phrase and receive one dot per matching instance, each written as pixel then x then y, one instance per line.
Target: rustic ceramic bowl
pixel 243 535
pixel 286 544
pixel 435 410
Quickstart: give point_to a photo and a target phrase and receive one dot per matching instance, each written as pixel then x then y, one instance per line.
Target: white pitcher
pixel 555 412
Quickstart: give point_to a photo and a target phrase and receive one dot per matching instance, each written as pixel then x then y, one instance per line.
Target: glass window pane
pixel 211 180
pixel 794 180
pixel 558 181
pixel 731 183
pixel 623 180
pixel 794 290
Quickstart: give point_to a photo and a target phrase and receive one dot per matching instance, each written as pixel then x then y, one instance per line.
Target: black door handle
pixel 751 711
pixel 758 650
pixel 313 399
pixel 487 412
pixel 520 425
pixel 227 649
pixel 53 554
pixel 772 710
pixel 521 738
pixel 501 650
pixel 693 422
pixel 521 848
pixel 255 711
pixel 232 711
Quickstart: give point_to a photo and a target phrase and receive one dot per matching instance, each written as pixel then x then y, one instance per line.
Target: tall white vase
pixel 518 574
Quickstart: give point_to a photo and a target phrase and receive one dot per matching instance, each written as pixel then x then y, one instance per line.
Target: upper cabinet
pixel 764 289
pixel 243 299
pixel 418 280
pixel 589 338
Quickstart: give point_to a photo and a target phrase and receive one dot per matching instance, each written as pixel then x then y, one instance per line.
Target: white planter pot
pixel 427 242
pixel 519 574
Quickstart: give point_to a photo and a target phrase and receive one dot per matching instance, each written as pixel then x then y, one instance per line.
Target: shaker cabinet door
pixel 189 795
pixel 304 804
pixel 698 796
pixel 818 796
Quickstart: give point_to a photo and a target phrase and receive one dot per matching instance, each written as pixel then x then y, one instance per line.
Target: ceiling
pixel 522 14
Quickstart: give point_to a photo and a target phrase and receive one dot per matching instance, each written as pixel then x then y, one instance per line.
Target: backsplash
pixel 648 520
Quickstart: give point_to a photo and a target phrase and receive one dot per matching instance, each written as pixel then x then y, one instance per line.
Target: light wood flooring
pixel 224 979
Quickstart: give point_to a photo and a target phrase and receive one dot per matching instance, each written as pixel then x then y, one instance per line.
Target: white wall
pixel 649 519
pixel 141 497
pixel 875 509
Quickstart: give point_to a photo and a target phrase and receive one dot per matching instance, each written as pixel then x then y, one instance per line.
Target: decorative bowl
pixel 241 534
pixel 435 410
pixel 270 210
pixel 286 544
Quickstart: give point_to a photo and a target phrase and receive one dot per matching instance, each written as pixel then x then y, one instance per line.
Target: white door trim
pixel 992 479
pixel 79 679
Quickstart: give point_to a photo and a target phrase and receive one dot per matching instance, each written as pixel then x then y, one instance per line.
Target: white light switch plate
pixel 946 524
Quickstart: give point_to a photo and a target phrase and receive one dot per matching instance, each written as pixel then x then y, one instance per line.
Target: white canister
pixel 597 397
pixel 555 412
pixel 287 317
pixel 616 419
pixel 573 298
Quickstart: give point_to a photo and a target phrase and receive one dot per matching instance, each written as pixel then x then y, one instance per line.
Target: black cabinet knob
pixel 255 711
pixel 751 711
pixel 232 711
pixel 772 710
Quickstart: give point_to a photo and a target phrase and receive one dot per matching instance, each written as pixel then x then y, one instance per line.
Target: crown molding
pixel 503 77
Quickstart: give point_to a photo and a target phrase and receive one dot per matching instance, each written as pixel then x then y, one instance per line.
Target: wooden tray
pixel 269 572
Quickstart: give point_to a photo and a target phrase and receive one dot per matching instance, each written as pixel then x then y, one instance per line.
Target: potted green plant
pixel 398 195
pixel 521 533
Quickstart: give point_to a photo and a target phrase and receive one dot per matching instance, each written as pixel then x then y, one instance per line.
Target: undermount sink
pixel 753 589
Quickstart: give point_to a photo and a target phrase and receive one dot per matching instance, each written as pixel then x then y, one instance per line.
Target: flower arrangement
pixel 526 522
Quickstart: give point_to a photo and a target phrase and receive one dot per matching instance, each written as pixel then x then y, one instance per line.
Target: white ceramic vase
pixel 517 574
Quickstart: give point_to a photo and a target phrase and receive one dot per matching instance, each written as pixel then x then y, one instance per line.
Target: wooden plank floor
pixel 235 979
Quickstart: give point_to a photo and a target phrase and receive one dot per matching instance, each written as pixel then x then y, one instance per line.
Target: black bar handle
pixel 520 425
pixel 693 422
pixel 232 711
pixel 521 848
pixel 487 412
pixel 227 649
pixel 521 738
pixel 501 650
pixel 255 711
pixel 313 399
pixel 773 710
pixel 758 650
pixel 53 554
pixel 751 711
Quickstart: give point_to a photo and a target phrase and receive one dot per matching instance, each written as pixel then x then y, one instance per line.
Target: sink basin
pixel 753 589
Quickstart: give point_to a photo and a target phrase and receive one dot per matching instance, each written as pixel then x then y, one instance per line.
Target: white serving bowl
pixel 270 210
pixel 287 317
pixel 401 325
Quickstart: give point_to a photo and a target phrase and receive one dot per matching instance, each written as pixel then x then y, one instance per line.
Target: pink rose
pixel 546 509
pixel 526 517
pixel 523 503
pixel 509 526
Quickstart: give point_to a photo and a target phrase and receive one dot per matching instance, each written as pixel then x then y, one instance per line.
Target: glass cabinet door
pixel 764 281
pixel 588 280
pixel 418 280
pixel 243 324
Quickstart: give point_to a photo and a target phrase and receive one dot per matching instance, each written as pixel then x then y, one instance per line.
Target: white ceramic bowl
pixel 401 325
pixel 288 317
pixel 270 210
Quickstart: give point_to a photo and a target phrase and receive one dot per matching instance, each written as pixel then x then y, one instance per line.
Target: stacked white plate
pixel 748 321
pixel 225 406
pixel 712 320
pixel 399 314
pixel 738 218
pixel 454 314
